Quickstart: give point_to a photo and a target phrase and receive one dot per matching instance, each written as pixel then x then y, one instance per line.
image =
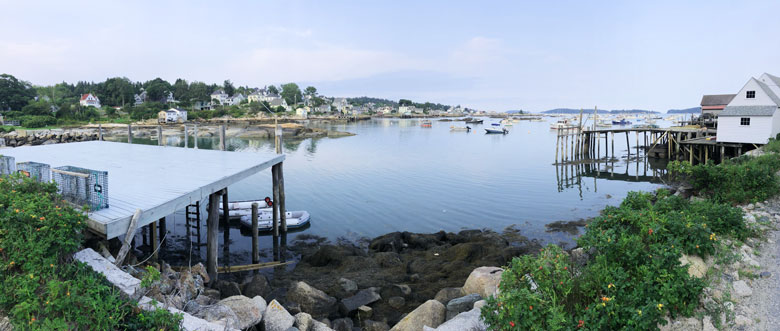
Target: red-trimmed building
pixel 715 103
pixel 89 100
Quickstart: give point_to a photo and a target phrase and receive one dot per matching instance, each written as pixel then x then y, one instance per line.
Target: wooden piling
pixel 598 145
pixel 154 240
pixel 100 132
pixel 159 136
pixel 163 230
pixel 628 146
pixel 275 179
pixel 186 137
pixel 557 144
pixel 282 208
pixel 129 133
pixel 255 241
pixel 211 236
pixel 195 136
pixel 222 144
pixel 225 205
pixel 613 144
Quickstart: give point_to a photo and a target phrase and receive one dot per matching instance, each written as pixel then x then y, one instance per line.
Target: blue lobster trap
pixel 82 186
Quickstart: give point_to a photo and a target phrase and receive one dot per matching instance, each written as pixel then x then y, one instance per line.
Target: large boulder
pixel 227 289
pixel 362 298
pixel 462 304
pixel 446 294
pixel 303 321
pixel 219 313
pixel 258 285
pixel 313 301
pixel 277 318
pixel 369 325
pixel 483 281
pixel 696 266
pixel 466 321
pixel 199 269
pixel 343 324
pixel 248 311
pixel 348 285
pixel 741 289
pixel 431 314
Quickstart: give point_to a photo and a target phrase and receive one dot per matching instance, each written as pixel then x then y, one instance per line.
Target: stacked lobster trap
pixel 40 172
pixel 83 187
pixel 7 165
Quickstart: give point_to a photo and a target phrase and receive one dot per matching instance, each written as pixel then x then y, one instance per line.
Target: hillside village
pixel 120 100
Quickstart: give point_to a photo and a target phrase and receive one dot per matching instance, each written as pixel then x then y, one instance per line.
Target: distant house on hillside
pixel 714 103
pixel 405 110
pixel 173 115
pixel 262 95
pixel 339 104
pixel 303 112
pixel 221 96
pixel 236 99
pixel 276 102
pixel 170 98
pixel 89 100
pixel 323 109
pixel 140 98
pixel 201 105
pixel 752 115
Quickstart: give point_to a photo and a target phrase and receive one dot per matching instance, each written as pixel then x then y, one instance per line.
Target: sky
pixel 488 55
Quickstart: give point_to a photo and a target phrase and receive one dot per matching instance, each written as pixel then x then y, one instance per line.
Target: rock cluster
pixel 16 138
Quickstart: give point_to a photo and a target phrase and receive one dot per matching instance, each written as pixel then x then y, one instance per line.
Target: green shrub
pixel 634 278
pixel 738 180
pixel 40 286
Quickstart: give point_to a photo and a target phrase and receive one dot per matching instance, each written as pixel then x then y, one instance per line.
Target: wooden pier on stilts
pixel 695 145
pixel 148 183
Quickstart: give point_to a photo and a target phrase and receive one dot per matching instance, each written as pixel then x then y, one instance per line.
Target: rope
pixel 155 251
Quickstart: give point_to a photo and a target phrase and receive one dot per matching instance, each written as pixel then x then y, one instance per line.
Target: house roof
pixel 768 91
pixel 276 102
pixel 716 99
pixel 84 96
pixel 775 79
pixel 748 111
pixel 218 92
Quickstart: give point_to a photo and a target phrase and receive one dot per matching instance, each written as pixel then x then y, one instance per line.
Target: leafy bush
pixel 40 287
pixel 35 121
pixel 738 180
pixel 634 278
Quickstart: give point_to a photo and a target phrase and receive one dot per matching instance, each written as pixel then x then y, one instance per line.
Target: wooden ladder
pixel 193 222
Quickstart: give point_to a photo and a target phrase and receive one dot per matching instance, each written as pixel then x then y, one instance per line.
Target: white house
pixel 236 99
pixel 276 102
pixel 220 96
pixel 339 104
pixel 405 110
pixel 175 115
pixel 752 117
pixel 89 100
pixel 323 109
pixel 303 112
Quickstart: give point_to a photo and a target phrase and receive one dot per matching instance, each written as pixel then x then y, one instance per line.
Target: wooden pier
pixel 150 182
pixel 695 145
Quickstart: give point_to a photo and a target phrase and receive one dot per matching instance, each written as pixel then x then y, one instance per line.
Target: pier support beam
pixel 186 137
pixel 129 133
pixel 211 236
pixel 225 209
pixel 100 132
pixel 154 239
pixel 255 241
pixel 222 144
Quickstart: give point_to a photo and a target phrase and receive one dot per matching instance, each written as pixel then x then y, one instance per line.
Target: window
pixel 751 94
pixel 744 121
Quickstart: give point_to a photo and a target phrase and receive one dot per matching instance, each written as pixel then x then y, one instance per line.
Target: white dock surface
pixel 159 180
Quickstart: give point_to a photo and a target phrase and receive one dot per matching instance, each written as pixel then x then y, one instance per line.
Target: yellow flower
pixel 639 312
pixel 712 237
pixel 704 225
pixel 610 285
pixel 603 304
pixel 31 276
pixel 660 306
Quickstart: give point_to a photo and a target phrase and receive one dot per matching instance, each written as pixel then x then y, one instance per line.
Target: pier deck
pixel 158 180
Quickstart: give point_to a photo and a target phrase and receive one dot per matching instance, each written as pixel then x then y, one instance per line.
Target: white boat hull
pixel 295 219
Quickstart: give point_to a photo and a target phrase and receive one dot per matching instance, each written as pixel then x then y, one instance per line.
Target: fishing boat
pixel 496 130
pixel 562 124
pixel 495 124
pixel 604 124
pixel 474 121
pixel 622 121
pixel 426 124
pixel 460 128
pixel 507 122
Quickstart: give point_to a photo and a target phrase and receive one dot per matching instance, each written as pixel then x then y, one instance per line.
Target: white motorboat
pixel 295 219
pixel 496 130
pixel 460 128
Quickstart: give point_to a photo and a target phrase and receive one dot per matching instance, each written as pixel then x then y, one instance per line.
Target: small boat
pixel 474 121
pixel 507 122
pixel 603 124
pixel 495 124
pixel 426 124
pixel 460 128
pixel 295 219
pixel 494 131
pixel 562 124
pixel 621 122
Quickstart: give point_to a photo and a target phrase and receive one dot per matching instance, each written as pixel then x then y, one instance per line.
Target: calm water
pixel 396 176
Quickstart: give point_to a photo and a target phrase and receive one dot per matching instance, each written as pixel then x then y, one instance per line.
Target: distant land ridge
pixel 601 111
pixel 694 110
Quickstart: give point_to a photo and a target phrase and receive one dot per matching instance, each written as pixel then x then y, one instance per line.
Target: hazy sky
pixel 489 55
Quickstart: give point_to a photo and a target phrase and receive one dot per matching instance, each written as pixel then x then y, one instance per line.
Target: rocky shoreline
pixel 114 131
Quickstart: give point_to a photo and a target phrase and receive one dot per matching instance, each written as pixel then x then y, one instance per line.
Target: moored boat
pixel 295 219
pixel 460 128
pixel 496 130
pixel 426 124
